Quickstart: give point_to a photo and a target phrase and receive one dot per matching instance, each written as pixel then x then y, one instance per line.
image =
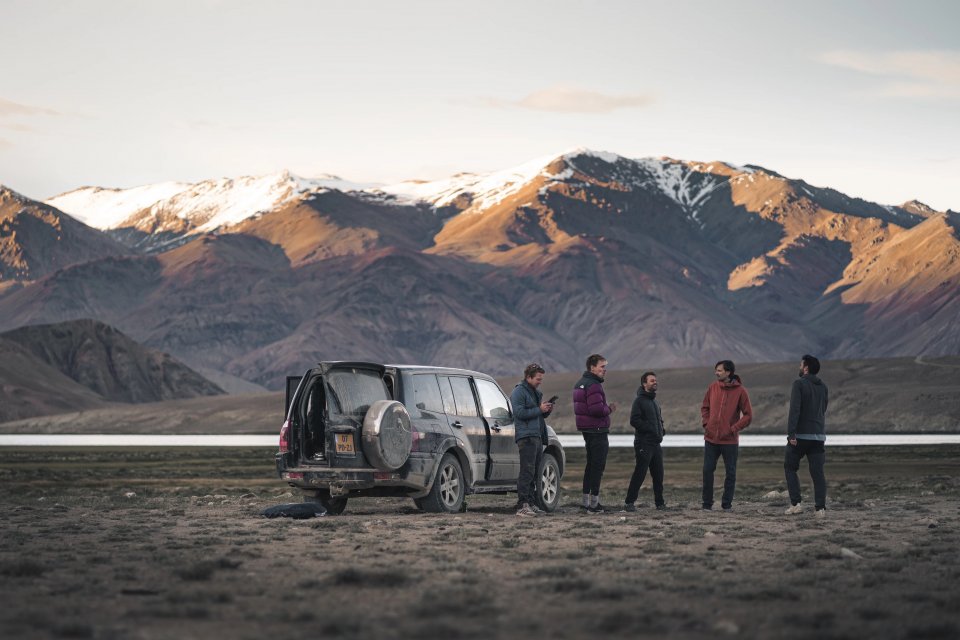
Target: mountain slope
pixel 109 363
pixel 37 239
pixel 30 387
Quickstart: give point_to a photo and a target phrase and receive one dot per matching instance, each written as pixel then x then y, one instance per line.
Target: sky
pixel 860 96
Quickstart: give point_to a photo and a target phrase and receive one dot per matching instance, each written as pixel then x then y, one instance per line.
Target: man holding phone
pixel 529 412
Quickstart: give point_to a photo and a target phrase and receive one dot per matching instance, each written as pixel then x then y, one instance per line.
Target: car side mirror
pixel 499 413
pixel 422 406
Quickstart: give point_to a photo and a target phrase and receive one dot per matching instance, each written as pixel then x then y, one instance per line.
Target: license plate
pixel 345 443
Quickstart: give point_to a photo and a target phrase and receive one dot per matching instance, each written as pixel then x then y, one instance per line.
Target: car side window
pixel 425 401
pixel 449 407
pixel 463 396
pixel 492 400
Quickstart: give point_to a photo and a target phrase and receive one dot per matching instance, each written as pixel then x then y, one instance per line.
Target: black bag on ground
pixel 296 510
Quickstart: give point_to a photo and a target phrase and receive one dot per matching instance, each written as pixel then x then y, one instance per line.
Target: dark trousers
pixel 711 453
pixel 597 446
pixel 530 449
pixel 649 456
pixel 816 458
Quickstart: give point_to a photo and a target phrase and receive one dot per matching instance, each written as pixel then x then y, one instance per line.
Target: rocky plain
pixel 170 543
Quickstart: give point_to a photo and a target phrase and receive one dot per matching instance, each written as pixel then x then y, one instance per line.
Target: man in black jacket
pixel 806 434
pixel 647 419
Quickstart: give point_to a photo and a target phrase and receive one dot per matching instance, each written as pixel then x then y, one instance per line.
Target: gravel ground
pixel 169 543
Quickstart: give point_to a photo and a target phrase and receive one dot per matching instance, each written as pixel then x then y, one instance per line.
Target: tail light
pixel 285 437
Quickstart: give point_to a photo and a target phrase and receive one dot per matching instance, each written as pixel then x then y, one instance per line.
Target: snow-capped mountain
pixel 191 208
pixel 680 181
pixel 660 261
pixel 178 209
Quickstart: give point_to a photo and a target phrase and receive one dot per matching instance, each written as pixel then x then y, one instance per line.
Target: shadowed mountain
pixel 108 363
pixel 30 387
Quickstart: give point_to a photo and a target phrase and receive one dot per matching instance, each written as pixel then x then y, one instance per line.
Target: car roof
pixel 403 367
pixel 426 368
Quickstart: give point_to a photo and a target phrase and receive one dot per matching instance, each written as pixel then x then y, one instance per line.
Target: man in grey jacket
pixel 806 434
pixel 529 413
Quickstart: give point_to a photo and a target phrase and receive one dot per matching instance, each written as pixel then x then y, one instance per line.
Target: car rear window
pixel 350 393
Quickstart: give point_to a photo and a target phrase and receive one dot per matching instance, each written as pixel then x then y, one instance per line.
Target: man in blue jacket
pixel 806 434
pixel 529 413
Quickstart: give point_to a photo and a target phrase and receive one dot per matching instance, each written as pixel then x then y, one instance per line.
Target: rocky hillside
pixel 37 239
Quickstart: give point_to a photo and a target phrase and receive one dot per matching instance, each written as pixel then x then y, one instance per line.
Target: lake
pixel 567 440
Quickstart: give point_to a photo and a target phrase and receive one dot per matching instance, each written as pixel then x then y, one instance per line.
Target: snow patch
pixel 205 205
pixel 674 180
pixel 106 208
pixel 483 190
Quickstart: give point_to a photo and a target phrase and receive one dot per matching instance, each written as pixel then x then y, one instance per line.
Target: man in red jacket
pixel 726 412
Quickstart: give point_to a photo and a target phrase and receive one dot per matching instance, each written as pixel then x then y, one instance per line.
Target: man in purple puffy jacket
pixel 593 421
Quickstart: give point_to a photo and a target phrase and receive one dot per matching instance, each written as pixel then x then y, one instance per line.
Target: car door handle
pixel 496 427
pixel 457 424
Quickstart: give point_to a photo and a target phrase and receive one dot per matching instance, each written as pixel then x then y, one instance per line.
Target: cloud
pixel 13 126
pixel 10 108
pixel 905 74
pixel 563 99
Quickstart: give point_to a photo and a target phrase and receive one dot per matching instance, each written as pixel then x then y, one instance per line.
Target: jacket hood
pixel 813 379
pixel 650 394
pixel 733 382
pixel 592 376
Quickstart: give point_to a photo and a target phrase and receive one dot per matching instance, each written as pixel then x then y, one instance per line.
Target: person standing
pixel 529 412
pixel 725 412
pixel 806 435
pixel 647 420
pixel 593 421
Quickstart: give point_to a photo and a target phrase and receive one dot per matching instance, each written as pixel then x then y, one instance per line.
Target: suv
pixel 429 433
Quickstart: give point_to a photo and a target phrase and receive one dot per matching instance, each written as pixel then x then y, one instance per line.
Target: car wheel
pixel 548 483
pixel 334 506
pixel 447 493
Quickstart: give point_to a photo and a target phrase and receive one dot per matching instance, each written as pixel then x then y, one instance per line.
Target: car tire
pixel 333 505
pixel 548 483
pixel 386 436
pixel 448 490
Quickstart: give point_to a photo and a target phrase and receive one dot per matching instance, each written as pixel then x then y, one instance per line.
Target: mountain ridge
pixel 661 261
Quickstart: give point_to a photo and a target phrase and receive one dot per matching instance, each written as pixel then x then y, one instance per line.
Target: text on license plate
pixel 344 443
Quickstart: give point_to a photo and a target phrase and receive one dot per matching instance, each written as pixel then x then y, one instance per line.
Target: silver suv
pixel 428 433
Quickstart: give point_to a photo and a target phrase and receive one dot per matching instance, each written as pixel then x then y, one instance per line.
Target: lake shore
pixel 169 543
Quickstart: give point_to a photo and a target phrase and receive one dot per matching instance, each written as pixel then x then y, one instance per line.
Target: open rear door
pixel 292 383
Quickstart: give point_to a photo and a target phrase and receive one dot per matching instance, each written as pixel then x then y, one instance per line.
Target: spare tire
pixel 386 435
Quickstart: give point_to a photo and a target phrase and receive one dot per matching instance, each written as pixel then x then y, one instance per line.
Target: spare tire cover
pixel 386 434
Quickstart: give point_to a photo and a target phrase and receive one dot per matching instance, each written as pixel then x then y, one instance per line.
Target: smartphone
pixel 553 400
